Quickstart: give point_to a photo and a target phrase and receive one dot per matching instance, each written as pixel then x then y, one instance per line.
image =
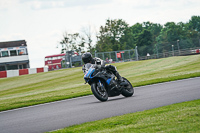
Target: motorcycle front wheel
pixel 128 90
pixel 99 91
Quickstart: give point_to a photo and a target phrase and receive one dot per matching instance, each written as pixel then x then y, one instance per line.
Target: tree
pixel 194 23
pixel 171 32
pixel 155 29
pixel 117 35
pixel 130 35
pixel 193 27
pixel 72 42
pixel 110 34
pixel 87 33
pixel 144 42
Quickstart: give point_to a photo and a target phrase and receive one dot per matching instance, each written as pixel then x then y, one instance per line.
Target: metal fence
pixel 118 56
pixel 154 51
pixel 160 48
pixel 165 54
pixel 176 48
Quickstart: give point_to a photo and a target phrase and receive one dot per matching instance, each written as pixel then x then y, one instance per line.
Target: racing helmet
pixel 87 57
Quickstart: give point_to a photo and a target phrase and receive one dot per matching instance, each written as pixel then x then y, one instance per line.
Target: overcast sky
pixel 42 22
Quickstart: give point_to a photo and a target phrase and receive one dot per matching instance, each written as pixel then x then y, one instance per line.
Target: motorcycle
pixel 104 83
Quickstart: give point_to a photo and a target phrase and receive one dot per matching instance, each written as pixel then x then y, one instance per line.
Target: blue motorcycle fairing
pixel 89 77
pixel 89 73
pixel 108 81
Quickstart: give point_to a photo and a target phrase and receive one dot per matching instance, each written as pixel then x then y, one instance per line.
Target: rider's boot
pixel 120 79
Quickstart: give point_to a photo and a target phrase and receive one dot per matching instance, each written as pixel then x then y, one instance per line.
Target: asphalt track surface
pixel 56 115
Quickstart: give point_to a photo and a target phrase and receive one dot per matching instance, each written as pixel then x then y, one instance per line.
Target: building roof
pixel 13 44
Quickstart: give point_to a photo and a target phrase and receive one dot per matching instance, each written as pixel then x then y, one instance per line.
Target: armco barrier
pixel 13 73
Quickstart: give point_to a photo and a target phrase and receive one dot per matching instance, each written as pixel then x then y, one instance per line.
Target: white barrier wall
pixel 13 73
pixel 32 70
pixel 45 69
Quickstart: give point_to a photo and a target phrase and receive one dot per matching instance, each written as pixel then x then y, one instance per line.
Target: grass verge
pixel 176 118
pixel 26 90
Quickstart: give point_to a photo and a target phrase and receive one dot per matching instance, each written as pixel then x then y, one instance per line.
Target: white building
pixel 13 55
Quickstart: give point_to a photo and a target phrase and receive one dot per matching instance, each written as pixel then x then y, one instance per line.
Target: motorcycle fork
pixel 101 86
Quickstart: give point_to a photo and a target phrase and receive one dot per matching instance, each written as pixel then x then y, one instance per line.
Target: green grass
pixel 51 86
pixel 175 118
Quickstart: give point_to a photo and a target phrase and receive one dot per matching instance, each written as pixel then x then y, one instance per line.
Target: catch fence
pixel 118 56
pixel 154 51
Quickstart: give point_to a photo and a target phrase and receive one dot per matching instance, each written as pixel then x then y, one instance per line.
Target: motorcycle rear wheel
pixel 100 94
pixel 129 90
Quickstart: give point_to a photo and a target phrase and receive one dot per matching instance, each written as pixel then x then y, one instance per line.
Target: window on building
pixel 24 66
pixel 54 58
pixel 20 67
pixel 12 67
pixel 46 59
pixel 13 52
pixel 4 53
pixel 2 68
pixel 21 52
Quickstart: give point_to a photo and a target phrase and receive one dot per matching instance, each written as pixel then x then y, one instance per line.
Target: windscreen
pixel 88 66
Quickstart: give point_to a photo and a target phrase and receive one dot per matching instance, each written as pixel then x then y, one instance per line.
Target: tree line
pixel 117 34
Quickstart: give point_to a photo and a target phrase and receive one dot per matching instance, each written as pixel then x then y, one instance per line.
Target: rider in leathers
pixel 87 58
